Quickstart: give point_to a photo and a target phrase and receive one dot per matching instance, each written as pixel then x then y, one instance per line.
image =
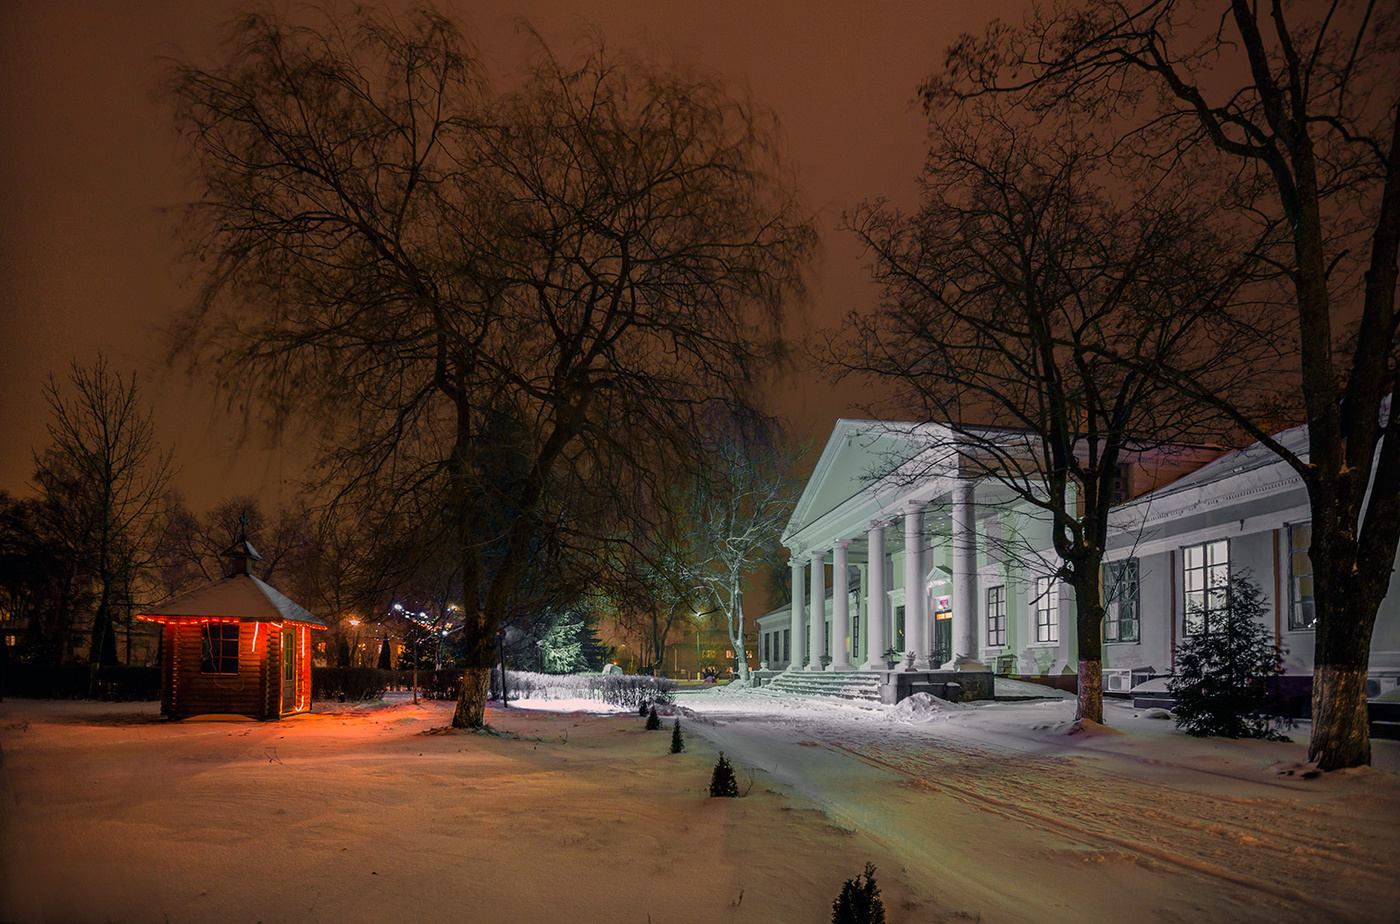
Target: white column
pixel 964 573
pixel 875 620
pixel 840 609
pixel 798 586
pixel 915 619
pixel 817 628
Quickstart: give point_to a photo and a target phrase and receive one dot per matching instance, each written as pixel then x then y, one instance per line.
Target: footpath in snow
pixel 1007 811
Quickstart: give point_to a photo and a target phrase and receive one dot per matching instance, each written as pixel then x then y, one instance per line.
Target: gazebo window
pixel 220 648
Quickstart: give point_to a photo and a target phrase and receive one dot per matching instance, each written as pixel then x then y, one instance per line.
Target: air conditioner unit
pixel 1117 680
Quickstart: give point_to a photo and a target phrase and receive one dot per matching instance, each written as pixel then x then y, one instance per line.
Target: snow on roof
pixel 241 596
pixel 1253 458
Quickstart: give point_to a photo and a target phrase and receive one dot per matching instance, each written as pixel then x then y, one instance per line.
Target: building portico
pixel 888 509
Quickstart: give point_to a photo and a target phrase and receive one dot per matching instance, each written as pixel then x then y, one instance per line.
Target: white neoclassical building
pixel 908 559
pixel 905 556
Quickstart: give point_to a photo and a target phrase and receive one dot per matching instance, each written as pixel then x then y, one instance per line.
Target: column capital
pixel 817 555
pixel 879 523
pixel 840 544
pixel 913 507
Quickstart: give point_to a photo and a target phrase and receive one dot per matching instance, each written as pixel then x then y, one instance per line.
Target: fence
pixel 76 681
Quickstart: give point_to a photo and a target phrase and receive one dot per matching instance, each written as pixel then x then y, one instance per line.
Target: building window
pixel 1047 610
pixel 855 633
pixel 787 645
pixel 220 648
pixel 765 646
pixel 1206 574
pixel 899 628
pixel 996 616
pixel 1302 612
pixel 1121 601
pixel 1122 483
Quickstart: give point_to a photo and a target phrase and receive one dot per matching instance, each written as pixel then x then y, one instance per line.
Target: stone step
pixel 849 685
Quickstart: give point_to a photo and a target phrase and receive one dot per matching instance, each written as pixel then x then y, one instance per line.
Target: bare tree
pixel 412 260
pixel 1011 298
pixel 1297 107
pixel 103 468
pixel 736 514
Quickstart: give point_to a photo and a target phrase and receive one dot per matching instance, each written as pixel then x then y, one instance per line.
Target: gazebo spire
pixel 241 554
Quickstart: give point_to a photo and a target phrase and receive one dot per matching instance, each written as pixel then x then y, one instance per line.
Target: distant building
pixel 235 646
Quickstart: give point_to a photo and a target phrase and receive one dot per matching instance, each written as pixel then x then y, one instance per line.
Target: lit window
pixel 1121 596
pixel 220 648
pixel 1047 610
pixel 787 644
pixel 1206 576
pixel 996 616
pixel 1302 612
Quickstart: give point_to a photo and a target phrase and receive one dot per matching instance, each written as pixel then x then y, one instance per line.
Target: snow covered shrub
pixel 630 691
pixel 722 780
pixel 626 691
pixel 653 720
pixel 1222 679
pixel 531 685
pixel 859 901
pixel 677 739
pixel 348 684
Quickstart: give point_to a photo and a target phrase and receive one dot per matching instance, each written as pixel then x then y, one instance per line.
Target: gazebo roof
pixel 241 596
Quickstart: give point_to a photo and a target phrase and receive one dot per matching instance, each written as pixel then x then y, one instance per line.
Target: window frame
pixel 1047 611
pixel 211 661
pixel 1296 598
pixel 996 616
pixel 1113 616
pixel 1214 571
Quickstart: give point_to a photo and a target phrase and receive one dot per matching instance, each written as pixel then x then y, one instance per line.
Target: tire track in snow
pixel 1220 839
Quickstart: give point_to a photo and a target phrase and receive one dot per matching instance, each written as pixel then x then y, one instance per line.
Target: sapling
pixel 653 720
pixel 859 901
pixel 722 781
pixel 677 739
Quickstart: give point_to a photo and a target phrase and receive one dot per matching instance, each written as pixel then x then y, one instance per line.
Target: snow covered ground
pixel 988 811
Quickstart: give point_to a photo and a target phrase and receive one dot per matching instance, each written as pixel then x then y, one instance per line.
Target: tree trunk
pixel 1088 592
pixel 1090 702
pixel 1347 603
pixel 1341 731
pixel 736 631
pixel 471 698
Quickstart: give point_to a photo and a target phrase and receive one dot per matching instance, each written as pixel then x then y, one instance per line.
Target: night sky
pixel 89 162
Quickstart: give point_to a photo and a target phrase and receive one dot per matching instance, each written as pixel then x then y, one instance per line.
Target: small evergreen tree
pixel 1222 677
pixel 722 781
pixel 653 720
pixel 859 901
pixel 677 739
pixel 642 707
pixel 386 656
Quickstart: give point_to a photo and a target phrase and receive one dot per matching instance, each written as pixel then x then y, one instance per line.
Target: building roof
pixel 240 596
pixel 1255 466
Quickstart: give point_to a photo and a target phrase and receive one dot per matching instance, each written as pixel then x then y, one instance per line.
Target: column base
pixel 921 664
pixel 843 666
pixel 814 667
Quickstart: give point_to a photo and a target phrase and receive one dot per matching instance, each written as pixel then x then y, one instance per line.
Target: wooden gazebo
pixel 235 646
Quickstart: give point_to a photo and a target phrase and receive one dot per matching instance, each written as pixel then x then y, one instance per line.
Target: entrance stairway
pixel 863 686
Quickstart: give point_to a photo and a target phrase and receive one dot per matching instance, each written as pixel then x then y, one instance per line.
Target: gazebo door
pixel 289 670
